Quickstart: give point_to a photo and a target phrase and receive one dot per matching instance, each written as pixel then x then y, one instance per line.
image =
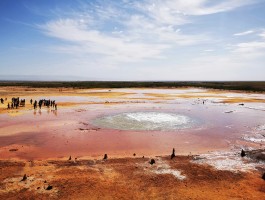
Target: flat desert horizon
pixel 125 99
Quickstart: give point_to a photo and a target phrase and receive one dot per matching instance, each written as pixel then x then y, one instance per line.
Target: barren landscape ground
pixel 208 165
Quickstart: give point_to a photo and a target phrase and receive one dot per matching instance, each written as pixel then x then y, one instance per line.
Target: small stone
pixel 263 176
pixel 24 177
pixel 70 158
pixel 243 153
pixel 173 154
pixel 105 157
pixel 134 154
pixel 49 187
pixel 13 149
pixel 152 161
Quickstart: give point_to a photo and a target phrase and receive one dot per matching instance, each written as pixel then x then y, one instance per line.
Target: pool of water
pixel 146 121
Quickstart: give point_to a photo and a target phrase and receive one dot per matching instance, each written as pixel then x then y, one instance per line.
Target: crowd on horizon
pixel 44 102
pixel 17 102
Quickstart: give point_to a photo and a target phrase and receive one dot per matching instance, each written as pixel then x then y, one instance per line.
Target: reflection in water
pixel 48 112
pixel 146 121
pixel 54 112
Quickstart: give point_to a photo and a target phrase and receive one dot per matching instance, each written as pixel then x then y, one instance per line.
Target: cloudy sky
pixel 133 40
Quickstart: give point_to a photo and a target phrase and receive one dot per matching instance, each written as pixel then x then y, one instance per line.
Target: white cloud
pixel 88 41
pixel 174 11
pixel 262 34
pixel 244 33
pixel 112 35
pixel 253 48
pixel 249 47
pixel 139 37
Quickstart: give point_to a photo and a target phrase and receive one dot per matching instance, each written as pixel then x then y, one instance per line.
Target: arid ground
pixel 61 151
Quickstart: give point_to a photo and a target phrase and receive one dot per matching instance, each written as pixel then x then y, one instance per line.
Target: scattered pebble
pixel 152 161
pixel 243 153
pixel 13 149
pixel 24 177
pixel 49 187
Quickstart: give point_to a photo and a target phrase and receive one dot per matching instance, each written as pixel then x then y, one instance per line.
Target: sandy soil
pixel 38 143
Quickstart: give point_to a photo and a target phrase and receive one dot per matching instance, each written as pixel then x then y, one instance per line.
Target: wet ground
pixel 208 127
pixel 72 129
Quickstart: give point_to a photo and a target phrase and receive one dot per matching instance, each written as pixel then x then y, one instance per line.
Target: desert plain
pixel 60 152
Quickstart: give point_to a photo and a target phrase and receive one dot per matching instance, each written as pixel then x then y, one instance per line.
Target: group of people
pixel 44 102
pixel 15 103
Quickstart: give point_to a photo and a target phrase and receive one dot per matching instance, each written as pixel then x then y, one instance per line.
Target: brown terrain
pixel 124 178
pixel 35 162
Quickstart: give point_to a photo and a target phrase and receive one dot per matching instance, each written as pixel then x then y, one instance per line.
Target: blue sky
pixel 133 40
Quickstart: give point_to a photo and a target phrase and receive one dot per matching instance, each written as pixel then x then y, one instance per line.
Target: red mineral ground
pixel 207 128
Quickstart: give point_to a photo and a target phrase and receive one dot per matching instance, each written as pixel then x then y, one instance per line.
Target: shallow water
pixel 145 127
pixel 149 121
